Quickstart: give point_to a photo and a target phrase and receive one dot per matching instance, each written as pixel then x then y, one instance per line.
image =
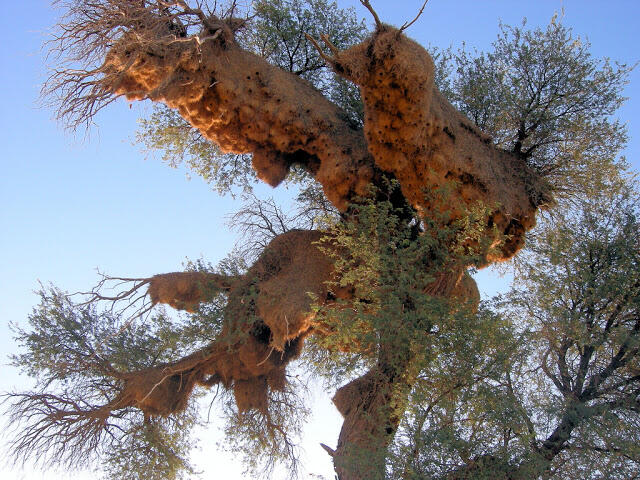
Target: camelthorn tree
pixel 413 194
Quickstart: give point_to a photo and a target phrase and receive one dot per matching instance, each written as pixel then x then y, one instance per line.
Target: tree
pixel 383 295
pixel 562 400
pixel 581 293
pixel 541 95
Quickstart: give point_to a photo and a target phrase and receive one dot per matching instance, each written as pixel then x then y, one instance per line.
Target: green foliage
pixel 277 33
pixel 541 94
pixel 74 352
pixel 580 292
pixel 385 258
pixel 67 341
pixel 543 383
pixel 466 405
pixel 157 449
pixel 167 132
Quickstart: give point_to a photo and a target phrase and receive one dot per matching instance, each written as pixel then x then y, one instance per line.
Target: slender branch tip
pixel 368 6
pixel 408 24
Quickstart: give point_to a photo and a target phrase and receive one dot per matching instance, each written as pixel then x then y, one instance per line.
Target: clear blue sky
pixel 70 205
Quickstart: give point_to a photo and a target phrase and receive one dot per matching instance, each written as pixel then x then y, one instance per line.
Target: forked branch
pixel 368 6
pixel 330 60
pixel 406 25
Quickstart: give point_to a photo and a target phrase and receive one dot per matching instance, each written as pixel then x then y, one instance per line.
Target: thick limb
pixel 372 407
pixel 245 105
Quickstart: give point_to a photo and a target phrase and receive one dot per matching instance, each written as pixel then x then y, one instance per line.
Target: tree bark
pixel 372 407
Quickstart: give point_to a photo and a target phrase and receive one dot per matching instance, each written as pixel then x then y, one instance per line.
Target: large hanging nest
pixel 244 105
pixel 413 132
pixel 268 315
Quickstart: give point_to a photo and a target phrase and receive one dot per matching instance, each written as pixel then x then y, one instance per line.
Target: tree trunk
pixel 372 407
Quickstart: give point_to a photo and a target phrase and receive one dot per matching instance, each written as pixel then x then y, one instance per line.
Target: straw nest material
pixel 245 105
pixel 267 318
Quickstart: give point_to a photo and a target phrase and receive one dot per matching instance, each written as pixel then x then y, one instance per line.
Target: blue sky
pixel 71 205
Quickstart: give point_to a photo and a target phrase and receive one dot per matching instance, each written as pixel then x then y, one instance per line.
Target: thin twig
pixel 407 25
pixel 330 45
pixel 327 58
pixel 368 6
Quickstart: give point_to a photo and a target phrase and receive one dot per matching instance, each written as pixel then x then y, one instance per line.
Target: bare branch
pixel 324 56
pixel 130 294
pixel 408 24
pixel 57 430
pixel 83 83
pixel 368 6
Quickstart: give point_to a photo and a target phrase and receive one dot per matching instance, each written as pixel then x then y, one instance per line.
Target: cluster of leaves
pixel 167 132
pixel 155 449
pixel 278 33
pixel 455 394
pixel 384 257
pixel 542 95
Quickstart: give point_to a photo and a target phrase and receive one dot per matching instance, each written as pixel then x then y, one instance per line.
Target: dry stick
pixel 267 357
pixel 407 25
pixel 154 387
pixel 215 397
pixel 95 295
pixel 327 58
pixel 328 43
pixel 368 6
pixel 329 450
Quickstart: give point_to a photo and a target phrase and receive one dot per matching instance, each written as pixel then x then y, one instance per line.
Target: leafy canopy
pixel 541 94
